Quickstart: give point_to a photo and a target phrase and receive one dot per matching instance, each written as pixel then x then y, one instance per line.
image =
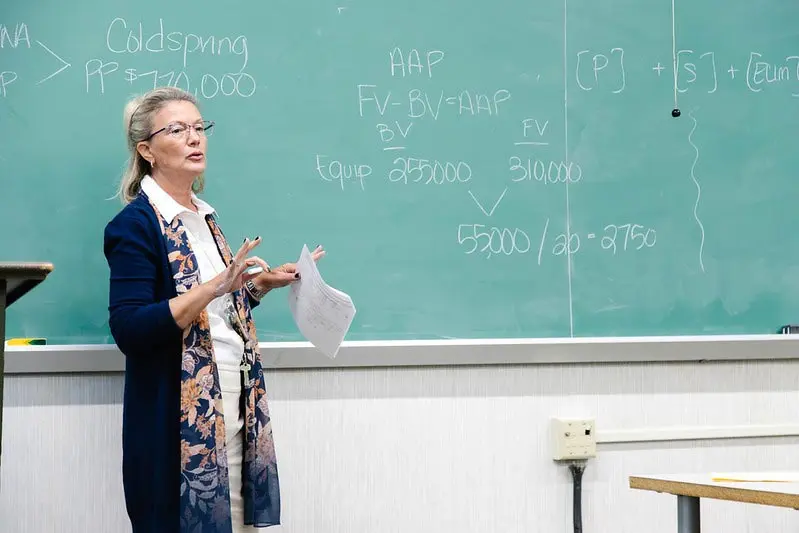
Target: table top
pixel 22 277
pixel 774 493
pixel 23 269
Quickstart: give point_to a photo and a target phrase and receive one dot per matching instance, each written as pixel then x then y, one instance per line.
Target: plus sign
pixel 658 68
pixel 732 71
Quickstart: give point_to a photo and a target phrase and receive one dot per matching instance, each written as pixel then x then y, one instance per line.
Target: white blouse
pixel 228 346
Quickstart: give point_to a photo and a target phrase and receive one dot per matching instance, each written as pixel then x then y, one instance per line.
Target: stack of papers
pixel 322 314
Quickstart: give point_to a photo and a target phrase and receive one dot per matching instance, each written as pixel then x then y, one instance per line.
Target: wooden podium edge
pixel 31 274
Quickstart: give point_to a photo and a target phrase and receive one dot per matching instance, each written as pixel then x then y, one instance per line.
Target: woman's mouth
pixel 196 156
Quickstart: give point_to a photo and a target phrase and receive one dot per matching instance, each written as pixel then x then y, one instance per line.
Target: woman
pixel 198 453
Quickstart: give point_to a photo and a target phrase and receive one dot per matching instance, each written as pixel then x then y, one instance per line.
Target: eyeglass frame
pixel 210 124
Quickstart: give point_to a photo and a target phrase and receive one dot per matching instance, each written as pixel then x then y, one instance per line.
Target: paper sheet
pixel 322 314
pixel 757 477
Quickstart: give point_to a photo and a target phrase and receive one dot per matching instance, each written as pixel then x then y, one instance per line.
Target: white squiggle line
pixel 698 192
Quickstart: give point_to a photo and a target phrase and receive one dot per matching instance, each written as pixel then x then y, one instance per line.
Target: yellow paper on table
pixel 757 477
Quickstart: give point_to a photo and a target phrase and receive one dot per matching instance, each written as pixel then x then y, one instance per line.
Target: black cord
pixel 577 470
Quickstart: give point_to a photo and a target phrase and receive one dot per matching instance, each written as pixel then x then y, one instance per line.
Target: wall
pixel 426 450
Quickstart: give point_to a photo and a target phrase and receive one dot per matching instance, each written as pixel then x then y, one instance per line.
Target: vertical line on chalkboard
pixel 698 191
pixel 566 161
pixel 674 50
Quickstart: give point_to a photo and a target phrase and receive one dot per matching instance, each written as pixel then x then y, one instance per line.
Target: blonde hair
pixel 138 124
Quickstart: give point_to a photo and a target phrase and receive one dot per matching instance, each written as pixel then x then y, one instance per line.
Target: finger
pixel 241 252
pixel 255 242
pixel 247 247
pixel 260 262
pixel 289 277
pixel 282 278
pixel 238 269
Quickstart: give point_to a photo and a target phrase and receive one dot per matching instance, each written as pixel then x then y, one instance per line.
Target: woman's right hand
pixel 234 276
pixel 186 307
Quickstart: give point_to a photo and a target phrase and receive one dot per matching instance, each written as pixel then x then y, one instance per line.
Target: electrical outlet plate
pixel 573 438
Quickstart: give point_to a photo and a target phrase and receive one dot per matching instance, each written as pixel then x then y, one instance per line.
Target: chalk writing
pixel 13 38
pixel 566 243
pixel 614 238
pixel 617 77
pixel 416 170
pixel 336 171
pixel 543 171
pixel 689 69
pixel 64 64
pixel 98 69
pixel 122 38
pixel 7 77
pixel 529 127
pixel 623 237
pixel 760 73
pixel 387 135
pixel 701 69
pixel 408 63
pixel 467 103
pixel 488 212
pixel 698 192
pixel 209 85
pixel 232 84
pixel 422 104
pixel 492 240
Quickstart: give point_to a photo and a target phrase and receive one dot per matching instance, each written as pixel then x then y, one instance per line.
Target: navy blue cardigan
pixel 145 331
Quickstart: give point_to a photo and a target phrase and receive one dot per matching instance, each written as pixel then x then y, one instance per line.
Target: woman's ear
pixel 144 150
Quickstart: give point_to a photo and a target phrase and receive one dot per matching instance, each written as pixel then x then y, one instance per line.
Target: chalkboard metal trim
pixel 456 352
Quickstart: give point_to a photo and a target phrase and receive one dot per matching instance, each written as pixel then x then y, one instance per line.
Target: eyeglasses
pixel 180 130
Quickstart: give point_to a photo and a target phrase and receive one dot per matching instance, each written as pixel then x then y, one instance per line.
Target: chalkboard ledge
pixel 287 355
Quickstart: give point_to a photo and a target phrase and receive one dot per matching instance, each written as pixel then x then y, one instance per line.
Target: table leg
pixel 687 514
pixel 2 350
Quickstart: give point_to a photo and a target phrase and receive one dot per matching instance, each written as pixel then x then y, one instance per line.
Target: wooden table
pixel 690 488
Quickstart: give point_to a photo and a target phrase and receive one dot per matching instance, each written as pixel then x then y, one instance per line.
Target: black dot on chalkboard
pixel 675 113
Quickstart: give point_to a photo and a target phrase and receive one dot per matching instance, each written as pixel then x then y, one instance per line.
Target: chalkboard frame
pixel 94 358
pixel 723 263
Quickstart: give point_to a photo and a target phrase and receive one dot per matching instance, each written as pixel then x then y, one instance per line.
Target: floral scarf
pixel 204 491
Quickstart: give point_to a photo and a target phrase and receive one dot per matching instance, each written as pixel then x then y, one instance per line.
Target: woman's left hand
pixel 283 275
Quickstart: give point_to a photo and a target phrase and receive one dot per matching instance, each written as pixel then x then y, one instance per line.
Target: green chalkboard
pixel 481 170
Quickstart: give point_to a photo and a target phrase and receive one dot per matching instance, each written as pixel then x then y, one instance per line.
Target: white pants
pixel 234 441
pixel 235 450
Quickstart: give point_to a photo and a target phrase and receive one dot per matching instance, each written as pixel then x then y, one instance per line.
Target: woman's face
pixel 179 146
